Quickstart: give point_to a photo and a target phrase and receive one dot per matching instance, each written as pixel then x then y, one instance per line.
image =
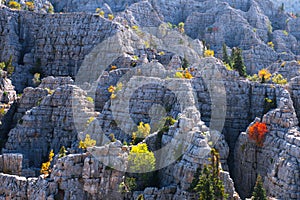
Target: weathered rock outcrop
pixel 278 160
pixel 50 44
pixel 143 53
pixel 49 124
pixel 76 176
pixel 250 28
pixel 8 97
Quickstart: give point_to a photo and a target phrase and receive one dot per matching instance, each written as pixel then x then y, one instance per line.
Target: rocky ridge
pixel 212 109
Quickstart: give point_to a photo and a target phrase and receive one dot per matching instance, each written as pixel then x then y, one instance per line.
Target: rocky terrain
pixel 99 68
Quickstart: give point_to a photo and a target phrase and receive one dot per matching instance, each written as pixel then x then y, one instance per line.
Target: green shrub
pixel 14 5
pixel 226 58
pixel 51 9
pixel 127 185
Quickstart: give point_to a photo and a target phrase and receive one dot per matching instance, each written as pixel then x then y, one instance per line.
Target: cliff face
pixel 53 44
pixel 83 54
pixel 278 159
pixel 58 43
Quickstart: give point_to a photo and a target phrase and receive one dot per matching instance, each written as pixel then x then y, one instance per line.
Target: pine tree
pixel 259 192
pixel 185 63
pixel 238 63
pixel 226 58
pixel 209 185
pixel 204 186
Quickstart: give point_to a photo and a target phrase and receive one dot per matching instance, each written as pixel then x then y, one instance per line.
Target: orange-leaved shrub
pixel 257 132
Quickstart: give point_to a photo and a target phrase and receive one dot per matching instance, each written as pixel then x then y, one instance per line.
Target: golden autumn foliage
pixel 45 169
pixel 110 16
pixel 30 5
pixel 143 130
pixel 209 53
pixel 113 89
pixel 14 5
pixel 113 67
pixel 264 75
pixel 140 159
pixel 87 142
pixel 185 74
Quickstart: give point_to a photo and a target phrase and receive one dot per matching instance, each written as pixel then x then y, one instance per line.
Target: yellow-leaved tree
pixel 143 130
pixel 140 159
pixel 45 169
pixel 87 142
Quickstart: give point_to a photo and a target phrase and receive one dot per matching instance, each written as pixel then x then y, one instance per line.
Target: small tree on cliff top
pixel 238 62
pixel 226 58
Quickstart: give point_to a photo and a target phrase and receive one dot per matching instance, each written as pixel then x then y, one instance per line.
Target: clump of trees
pixel 265 76
pixel 209 185
pixel 235 61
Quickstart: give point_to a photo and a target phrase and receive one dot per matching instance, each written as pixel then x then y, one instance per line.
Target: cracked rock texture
pixel 82 54
pixel 278 160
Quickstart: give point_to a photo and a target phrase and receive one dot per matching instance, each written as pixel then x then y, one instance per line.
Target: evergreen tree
pixel 185 63
pixel 210 186
pixel 282 7
pixel 259 192
pixel 205 186
pixel 238 63
pixel 232 55
pixel 226 58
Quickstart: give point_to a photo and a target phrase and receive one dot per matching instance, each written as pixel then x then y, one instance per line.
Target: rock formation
pixel 101 75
